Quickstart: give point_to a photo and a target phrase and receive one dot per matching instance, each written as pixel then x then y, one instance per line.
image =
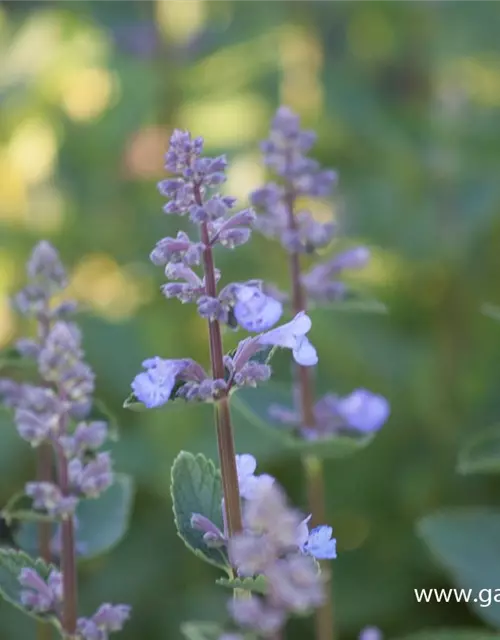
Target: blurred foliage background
pixel 405 97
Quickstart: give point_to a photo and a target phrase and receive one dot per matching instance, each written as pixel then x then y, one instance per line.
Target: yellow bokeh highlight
pixel 7 277
pixel 45 211
pixel 226 122
pixel 180 20
pixel 86 93
pixel 478 78
pixel 111 291
pixel 13 193
pixel 245 173
pixel 301 59
pixel 32 150
pixel 370 36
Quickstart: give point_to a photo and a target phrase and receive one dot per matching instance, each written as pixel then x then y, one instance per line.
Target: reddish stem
pixel 225 439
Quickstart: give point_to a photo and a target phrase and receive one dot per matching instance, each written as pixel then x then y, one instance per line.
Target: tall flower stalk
pixel 285 152
pixel 53 418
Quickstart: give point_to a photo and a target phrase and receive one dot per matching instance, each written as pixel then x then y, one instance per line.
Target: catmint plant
pixel 282 218
pixel 236 520
pixel 52 413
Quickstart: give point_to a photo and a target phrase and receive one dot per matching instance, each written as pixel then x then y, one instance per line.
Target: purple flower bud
pixel 48 497
pixel 32 301
pixel 108 618
pixel 364 410
pixel 179 249
pixel 28 348
pixel 232 238
pixel 35 428
pixel 356 258
pixel 38 595
pixel 11 393
pixel 293 336
pixel 92 478
pixel 45 267
pixel 251 553
pixel 169 188
pixel 268 196
pixel 251 374
pixel 255 311
pixel 211 308
pixel 86 437
pixel 215 208
pixel 213 536
pixel 182 152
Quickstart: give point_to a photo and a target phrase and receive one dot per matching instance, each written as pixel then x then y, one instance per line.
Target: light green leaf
pixel 481 454
pixel 196 488
pixel 491 310
pixel 252 406
pixel 201 630
pixel 256 585
pixel 11 564
pixel 102 522
pixel 466 541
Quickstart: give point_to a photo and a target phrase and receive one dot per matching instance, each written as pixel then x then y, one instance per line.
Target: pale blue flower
pixel 320 543
pixel 154 386
pixel 256 311
pixel 292 335
pixel 364 410
pixel 249 483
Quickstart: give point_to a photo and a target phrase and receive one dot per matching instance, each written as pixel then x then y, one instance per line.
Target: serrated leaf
pixel 102 522
pixel 466 541
pixel 255 585
pixel 196 488
pixel 11 564
pixel 201 630
pixel 481 454
pixel 252 406
pixel 451 634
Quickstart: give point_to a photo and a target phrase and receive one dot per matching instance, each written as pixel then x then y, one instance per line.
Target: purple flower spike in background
pixel 364 410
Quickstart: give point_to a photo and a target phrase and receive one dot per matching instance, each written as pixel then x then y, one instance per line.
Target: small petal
pixel 364 410
pixel 320 543
pixel 255 311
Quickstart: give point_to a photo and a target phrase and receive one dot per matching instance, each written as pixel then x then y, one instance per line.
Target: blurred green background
pixel 405 97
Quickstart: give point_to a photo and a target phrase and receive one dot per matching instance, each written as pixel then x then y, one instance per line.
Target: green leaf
pixel 201 630
pixel 466 541
pixel 196 488
pixel 11 359
pixel 256 585
pixel 491 311
pixel 11 564
pixel 102 522
pixel 100 411
pixel 481 454
pixel 252 406
pixel 19 507
pixel 452 634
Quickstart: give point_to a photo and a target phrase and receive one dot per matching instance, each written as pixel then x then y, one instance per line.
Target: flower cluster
pixel 165 380
pixel 285 152
pixel 46 596
pixel 56 413
pixel 276 544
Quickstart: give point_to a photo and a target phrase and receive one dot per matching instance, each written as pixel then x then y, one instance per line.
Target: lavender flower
pixel 255 311
pixel 107 619
pixel 39 595
pixel 363 410
pixel 45 414
pixel 293 336
pixel 319 543
pixel 370 633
